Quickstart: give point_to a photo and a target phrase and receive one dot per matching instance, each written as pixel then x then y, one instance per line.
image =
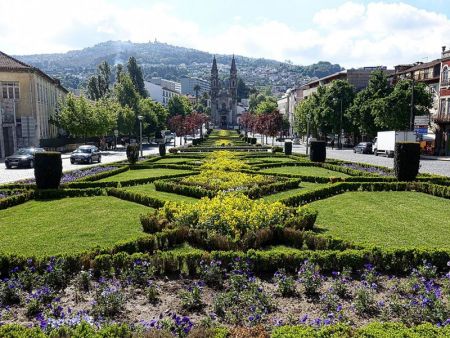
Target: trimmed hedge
pixel 406 160
pixel 136 197
pixel 132 153
pixel 101 175
pixel 288 148
pixel 47 169
pixel 318 151
pixel 162 150
pixel 13 200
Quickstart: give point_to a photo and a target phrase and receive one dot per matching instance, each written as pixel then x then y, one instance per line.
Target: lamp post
pixel 307 132
pixel 140 118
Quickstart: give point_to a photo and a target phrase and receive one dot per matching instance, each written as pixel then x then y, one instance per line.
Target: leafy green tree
pixel 155 115
pixel 267 106
pixel 360 112
pixel 393 111
pixel 242 90
pixel 98 85
pixel 105 112
pixel 126 121
pixel 179 105
pixel 126 93
pixel 135 73
pixel 305 112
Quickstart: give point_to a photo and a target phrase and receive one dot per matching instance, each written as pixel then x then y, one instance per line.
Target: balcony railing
pixel 441 118
pixel 445 83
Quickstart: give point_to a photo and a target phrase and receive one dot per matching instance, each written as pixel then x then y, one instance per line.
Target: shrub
pixel 253 140
pixel 288 148
pixel 48 170
pixel 173 150
pixel 277 149
pixel 318 151
pixel 162 150
pixel 132 153
pixel 406 160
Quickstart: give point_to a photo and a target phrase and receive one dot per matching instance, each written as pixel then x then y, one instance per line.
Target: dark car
pixel 86 154
pixel 363 148
pixel 23 157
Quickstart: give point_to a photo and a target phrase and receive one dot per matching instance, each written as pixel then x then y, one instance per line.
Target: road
pixel 11 175
pixel 437 167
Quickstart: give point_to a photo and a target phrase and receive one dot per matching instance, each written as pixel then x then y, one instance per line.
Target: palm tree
pixel 196 89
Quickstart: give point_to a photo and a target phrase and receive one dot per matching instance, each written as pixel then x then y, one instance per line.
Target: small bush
pixel 318 151
pixel 173 150
pixel 48 170
pixel 288 148
pixel 132 153
pixel 162 150
pixel 406 160
pixel 277 149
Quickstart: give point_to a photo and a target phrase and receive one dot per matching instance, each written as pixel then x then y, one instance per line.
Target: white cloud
pixel 352 34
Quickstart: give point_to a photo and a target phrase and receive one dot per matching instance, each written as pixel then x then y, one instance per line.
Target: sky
pixel 351 33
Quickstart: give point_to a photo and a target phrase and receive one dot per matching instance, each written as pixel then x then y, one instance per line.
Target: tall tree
pixel 242 90
pixel 179 105
pixel 155 115
pixel 135 73
pixel 98 85
pixel 196 90
pixel 268 105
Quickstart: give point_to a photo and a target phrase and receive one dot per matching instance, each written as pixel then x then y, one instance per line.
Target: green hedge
pixel 318 151
pixel 136 197
pixel 406 160
pixel 288 148
pixel 47 170
pixel 13 200
pixel 102 175
pixel 182 189
pixel 342 187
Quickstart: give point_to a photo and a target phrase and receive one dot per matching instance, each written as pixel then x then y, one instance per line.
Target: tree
pixel 135 73
pixel 268 105
pixel 155 115
pixel 98 85
pixel 179 105
pixel 196 89
pixel 242 90
pixel 393 111
pixel 177 124
pixel 82 118
pixel 360 112
pixel 105 113
pixel 126 121
pixel 246 122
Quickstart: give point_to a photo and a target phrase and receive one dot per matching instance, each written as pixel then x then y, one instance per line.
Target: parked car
pixel 363 148
pixel 86 154
pixel 23 157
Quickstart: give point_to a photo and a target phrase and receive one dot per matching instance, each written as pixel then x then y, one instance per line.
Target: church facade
pixel 224 97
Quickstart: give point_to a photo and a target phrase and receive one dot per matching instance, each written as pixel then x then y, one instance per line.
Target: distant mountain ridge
pixel 171 62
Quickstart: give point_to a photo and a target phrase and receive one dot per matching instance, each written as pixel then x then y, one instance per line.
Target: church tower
pixel 214 94
pixel 233 91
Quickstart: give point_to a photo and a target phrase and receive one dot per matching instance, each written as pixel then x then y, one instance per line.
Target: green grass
pixel 143 173
pixel 304 186
pixel 69 225
pixel 149 189
pixel 390 219
pixel 305 171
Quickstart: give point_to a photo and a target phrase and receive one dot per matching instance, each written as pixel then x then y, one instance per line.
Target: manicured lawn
pixel 305 171
pixel 304 186
pixel 390 219
pixel 149 189
pixel 174 160
pixel 68 225
pixel 143 173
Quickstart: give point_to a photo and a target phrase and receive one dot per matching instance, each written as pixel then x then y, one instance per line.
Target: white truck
pixel 385 141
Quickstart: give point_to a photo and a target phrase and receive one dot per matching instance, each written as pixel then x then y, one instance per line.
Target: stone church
pixel 224 97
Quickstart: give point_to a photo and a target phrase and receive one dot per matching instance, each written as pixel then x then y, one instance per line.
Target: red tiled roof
pixel 8 62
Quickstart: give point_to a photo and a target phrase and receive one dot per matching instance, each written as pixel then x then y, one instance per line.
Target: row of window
pixel 10 90
pixel 445 106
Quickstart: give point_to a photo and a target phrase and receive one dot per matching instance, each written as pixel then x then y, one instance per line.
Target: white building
pixel 160 93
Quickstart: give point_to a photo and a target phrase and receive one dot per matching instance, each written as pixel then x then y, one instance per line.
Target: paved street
pixel 11 175
pixel 438 167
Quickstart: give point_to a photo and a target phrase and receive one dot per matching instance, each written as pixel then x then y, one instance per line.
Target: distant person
pixel 332 144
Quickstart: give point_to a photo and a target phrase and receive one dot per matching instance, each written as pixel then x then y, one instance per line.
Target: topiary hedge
pixel 162 150
pixel 318 152
pixel 132 153
pixel 288 148
pixel 406 160
pixel 48 170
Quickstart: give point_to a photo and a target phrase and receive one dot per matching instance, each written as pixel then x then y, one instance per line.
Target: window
pixel 11 90
pixel 448 106
pixel 445 76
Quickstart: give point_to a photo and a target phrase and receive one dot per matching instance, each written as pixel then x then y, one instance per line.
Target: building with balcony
pixel 28 98
pixel 442 118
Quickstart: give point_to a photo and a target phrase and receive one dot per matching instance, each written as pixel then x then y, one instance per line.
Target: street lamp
pixel 140 118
